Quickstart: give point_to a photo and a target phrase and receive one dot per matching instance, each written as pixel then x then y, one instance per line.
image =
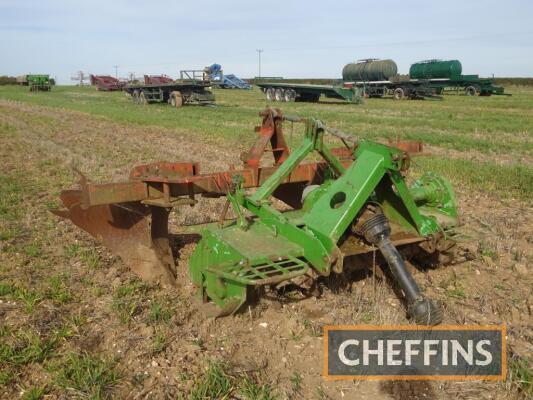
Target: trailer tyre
pixel 471 91
pixel 176 99
pixel 399 94
pixel 142 99
pixel 290 95
pixel 135 96
pixel 270 94
pixel 279 94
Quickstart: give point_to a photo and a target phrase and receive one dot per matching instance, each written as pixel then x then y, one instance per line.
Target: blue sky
pixel 300 38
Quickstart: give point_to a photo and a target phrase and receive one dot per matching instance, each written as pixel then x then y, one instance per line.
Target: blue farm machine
pixel 218 78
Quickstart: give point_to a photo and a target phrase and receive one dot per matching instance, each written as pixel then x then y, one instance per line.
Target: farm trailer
pixel 470 85
pixel 277 91
pixel 176 93
pixel 445 75
pixel 399 90
pixel 379 78
pixel 429 78
pixel 37 83
pixel 426 79
pixel 371 78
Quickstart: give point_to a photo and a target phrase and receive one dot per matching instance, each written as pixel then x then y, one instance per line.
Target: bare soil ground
pixel 61 287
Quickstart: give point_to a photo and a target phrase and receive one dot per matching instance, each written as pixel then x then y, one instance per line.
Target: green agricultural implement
pixel 37 83
pixel 302 221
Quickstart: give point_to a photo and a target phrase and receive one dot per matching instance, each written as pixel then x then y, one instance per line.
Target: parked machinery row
pixel 379 78
pixel 193 87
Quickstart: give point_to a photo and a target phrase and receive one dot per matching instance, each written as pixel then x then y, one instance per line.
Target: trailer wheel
pixel 135 96
pixel 176 99
pixel 399 93
pixel 290 95
pixel 270 94
pixel 142 98
pixel 279 94
pixel 471 91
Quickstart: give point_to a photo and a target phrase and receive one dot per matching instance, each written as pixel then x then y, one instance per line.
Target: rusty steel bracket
pixel 413 147
pixel 271 130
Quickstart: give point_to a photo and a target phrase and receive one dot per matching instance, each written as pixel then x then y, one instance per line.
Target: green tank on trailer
pixel 447 76
pixel 369 70
pixel 435 69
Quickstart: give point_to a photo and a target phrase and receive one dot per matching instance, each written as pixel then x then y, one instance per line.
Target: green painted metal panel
pixel 334 211
pixel 38 79
pixel 435 69
pixel 257 242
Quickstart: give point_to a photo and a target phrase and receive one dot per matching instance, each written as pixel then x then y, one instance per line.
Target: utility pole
pixel 259 51
pixel 116 71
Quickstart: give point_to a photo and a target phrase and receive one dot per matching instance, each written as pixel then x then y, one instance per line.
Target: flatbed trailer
pixel 471 85
pixel 399 90
pixel 278 91
pixel 176 93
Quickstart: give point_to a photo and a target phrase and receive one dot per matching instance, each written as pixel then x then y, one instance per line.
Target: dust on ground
pixel 277 341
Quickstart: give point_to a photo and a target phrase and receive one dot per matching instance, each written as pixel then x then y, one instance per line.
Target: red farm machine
pixel 157 79
pixel 294 222
pixel 107 83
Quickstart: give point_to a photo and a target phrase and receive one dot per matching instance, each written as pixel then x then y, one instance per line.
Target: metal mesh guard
pixel 265 273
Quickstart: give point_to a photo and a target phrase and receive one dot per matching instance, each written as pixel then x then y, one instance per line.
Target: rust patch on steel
pixel 136 233
pixel 411 147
